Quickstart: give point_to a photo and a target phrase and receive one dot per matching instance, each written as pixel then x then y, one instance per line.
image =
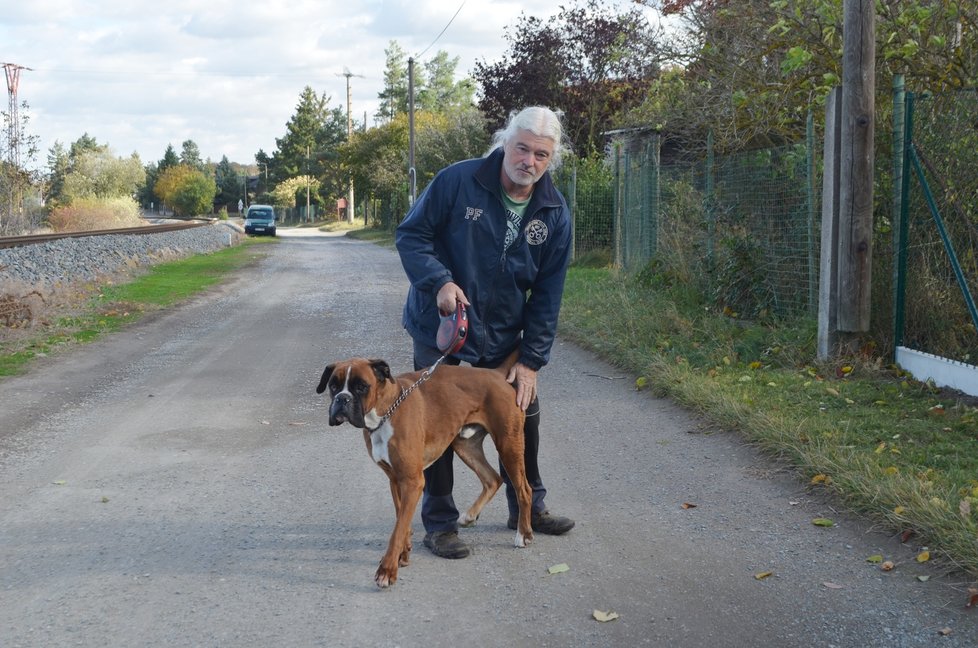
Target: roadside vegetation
pixel 85 313
pixel 899 451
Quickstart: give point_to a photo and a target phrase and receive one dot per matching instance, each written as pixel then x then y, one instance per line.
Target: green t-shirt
pixel 514 217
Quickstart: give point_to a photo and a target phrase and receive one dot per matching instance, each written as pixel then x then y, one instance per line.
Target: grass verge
pixel 100 309
pixel 899 451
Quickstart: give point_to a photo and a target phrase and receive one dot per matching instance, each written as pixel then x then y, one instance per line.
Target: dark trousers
pixel 438 510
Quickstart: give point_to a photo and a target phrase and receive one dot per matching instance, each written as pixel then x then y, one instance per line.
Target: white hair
pixel 539 120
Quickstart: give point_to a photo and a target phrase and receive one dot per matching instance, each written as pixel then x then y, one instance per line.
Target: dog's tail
pixel 508 363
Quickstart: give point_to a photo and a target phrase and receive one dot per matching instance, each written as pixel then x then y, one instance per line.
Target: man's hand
pixel 526 384
pixel 448 296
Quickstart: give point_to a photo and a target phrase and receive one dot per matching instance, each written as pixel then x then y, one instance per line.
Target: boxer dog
pixel 410 420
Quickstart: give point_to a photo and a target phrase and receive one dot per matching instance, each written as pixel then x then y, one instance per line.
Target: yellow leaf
pixel 891 470
pixel 754 365
pixel 831 391
pixel 923 556
pixel 559 569
pixel 604 617
pixel 59 482
pixel 881 447
pixel 847 369
pixel 641 383
pixel 820 479
pixel 898 510
pixel 762 575
pixel 823 522
pixel 875 559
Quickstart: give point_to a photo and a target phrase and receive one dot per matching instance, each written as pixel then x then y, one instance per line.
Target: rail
pixel 33 239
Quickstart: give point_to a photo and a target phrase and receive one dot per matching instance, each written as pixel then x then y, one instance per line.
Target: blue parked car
pixel 260 219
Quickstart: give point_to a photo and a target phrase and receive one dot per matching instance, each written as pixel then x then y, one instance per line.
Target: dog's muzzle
pixel 345 409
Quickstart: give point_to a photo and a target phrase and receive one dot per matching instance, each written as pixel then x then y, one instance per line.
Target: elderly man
pixel 494 234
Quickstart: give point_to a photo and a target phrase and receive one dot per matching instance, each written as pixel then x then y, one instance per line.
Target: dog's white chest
pixel 378 443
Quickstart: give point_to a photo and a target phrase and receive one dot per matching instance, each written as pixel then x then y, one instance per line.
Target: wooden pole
pixel 856 187
pixel 828 329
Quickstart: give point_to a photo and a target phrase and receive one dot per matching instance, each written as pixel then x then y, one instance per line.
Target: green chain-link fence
pixel 743 228
pixel 940 238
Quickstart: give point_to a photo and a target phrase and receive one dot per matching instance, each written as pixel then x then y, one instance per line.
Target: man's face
pixel 526 158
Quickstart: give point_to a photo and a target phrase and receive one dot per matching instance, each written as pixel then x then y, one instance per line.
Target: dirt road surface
pixel 176 484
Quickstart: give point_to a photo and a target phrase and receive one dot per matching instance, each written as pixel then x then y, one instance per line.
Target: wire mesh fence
pixel 743 228
pixel 936 317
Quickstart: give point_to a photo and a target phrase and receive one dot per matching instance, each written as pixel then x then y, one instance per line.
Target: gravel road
pixel 176 484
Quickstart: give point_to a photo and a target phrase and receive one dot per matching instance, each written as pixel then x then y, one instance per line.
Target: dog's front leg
pixel 408 493
pixel 405 556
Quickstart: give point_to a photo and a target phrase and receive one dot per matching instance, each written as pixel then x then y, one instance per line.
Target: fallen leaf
pixel 875 559
pixel 558 569
pixel 964 507
pixel 604 617
pixel 297 423
pixel 641 383
pixel 763 575
pixel 923 578
pixel 972 597
pixel 898 510
pixel 832 585
pixel 823 522
pixel 831 391
pixel 687 505
pixel 821 479
pixel 887 566
pixel 754 365
pixel 944 632
pixel 265 422
pixel 906 535
pixel 105 500
pixel 59 482
pixel 923 556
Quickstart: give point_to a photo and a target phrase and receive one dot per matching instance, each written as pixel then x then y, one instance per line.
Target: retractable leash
pixel 452 332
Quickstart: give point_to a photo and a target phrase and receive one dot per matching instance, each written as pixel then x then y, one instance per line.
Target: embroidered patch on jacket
pixel 472 213
pixel 536 232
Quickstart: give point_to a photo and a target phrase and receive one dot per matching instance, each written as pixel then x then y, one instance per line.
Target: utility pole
pixel 349 135
pixel 12 71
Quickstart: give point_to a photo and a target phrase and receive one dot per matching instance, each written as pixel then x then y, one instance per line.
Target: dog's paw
pixel 466 520
pixel 385 577
pixel 521 541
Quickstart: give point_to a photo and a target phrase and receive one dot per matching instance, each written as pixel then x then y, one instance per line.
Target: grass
pixel 899 451
pixel 99 310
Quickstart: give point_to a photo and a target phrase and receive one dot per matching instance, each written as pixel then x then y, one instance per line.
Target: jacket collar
pixel 488 174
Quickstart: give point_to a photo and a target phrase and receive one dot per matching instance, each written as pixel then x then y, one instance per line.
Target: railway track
pixel 33 239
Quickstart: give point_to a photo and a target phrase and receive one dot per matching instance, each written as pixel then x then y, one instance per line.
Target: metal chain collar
pixel 425 375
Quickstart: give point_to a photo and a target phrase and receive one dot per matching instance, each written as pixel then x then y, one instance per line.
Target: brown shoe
pixel 446 544
pixel 545 523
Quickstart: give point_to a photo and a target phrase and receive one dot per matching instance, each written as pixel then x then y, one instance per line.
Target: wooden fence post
pixel 856 187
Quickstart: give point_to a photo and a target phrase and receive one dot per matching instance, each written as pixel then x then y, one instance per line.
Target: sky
pixel 139 75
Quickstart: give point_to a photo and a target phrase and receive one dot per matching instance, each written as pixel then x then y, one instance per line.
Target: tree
pixel 170 159
pixel 190 155
pixel 228 182
pixel 588 62
pixel 440 91
pixel 188 191
pixel 287 193
pixel 394 97
pixel 97 173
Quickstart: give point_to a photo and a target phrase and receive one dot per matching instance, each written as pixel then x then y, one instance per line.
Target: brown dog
pixel 409 421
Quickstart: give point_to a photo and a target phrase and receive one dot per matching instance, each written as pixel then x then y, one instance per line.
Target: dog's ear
pixel 325 379
pixel 381 370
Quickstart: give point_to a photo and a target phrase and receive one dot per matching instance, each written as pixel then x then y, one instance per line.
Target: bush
pixel 85 214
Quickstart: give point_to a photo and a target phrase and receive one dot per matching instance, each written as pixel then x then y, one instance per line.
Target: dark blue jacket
pixel 455 232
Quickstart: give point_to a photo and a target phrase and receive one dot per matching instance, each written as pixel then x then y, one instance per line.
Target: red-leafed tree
pixel 588 62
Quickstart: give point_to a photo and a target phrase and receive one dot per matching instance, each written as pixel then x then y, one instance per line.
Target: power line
pixel 443 30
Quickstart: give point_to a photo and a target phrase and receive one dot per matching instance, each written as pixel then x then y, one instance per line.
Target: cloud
pixel 141 74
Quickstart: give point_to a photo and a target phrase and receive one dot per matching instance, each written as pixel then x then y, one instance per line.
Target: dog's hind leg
pixel 471 452
pixel 511 456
